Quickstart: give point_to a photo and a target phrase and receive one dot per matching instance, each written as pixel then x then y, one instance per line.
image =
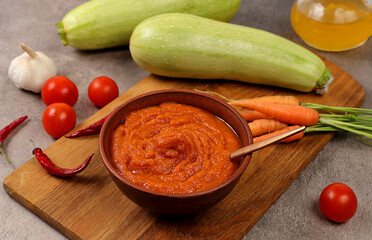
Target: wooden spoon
pixel 256 146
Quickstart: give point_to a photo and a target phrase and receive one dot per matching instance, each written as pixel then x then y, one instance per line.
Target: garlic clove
pixel 31 70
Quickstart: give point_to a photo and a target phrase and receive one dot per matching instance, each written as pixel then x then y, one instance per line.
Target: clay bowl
pixel 166 203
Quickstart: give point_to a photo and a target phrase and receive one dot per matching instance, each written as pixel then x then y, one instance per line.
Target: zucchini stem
pixel 61 32
pixel 323 82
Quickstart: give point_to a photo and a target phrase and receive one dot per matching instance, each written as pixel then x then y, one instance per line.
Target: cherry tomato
pixel 59 89
pixel 59 119
pixel 338 202
pixel 102 90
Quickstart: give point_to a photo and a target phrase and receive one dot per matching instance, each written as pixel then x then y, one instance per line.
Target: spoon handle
pixel 264 143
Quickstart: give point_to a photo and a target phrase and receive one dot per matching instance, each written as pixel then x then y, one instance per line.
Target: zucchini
pixel 99 24
pixel 186 46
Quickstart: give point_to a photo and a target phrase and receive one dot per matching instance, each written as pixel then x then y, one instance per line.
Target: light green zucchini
pixel 187 46
pixel 99 24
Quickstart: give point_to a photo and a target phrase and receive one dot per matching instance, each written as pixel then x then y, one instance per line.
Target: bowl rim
pixel 245 160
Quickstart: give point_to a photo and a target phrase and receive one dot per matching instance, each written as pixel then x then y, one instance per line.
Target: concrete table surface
pixel 295 215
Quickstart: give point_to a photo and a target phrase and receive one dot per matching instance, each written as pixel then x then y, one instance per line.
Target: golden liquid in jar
pixel 332 25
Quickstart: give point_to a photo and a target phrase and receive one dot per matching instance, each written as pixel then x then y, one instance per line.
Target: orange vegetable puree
pixel 174 148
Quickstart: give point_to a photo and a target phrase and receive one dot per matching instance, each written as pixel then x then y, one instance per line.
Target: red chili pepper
pixel 6 131
pixel 90 130
pixel 48 165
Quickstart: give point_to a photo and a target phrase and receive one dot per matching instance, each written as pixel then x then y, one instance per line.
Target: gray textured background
pixel 295 214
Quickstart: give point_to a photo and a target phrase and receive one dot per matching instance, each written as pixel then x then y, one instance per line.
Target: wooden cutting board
pixel 89 205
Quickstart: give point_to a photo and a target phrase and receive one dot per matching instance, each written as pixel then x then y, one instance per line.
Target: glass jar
pixel 332 25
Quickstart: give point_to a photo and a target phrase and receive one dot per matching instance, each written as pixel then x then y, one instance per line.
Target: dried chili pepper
pixel 90 130
pixel 6 131
pixel 48 165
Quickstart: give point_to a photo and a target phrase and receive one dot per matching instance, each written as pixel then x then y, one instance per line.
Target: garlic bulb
pixel 31 70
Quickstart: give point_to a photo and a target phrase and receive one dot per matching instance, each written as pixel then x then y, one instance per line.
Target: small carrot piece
pixel 289 139
pixel 251 115
pixel 262 126
pixel 296 115
pixel 277 99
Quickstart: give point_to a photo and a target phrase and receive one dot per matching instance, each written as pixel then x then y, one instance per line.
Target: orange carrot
pixel 296 115
pixel 289 139
pixel 277 99
pixel 251 115
pixel 262 126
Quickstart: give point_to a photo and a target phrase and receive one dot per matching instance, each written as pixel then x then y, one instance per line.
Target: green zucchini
pixel 99 24
pixel 187 46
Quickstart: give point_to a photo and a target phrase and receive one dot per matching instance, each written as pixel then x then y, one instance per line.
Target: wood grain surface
pixel 89 205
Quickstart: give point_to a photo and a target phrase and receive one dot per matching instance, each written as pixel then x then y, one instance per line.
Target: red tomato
pixel 59 89
pixel 338 202
pixel 59 119
pixel 102 90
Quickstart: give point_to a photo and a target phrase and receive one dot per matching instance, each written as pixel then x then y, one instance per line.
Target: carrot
pixel 277 99
pixel 296 115
pixel 251 115
pixel 262 126
pixel 289 139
